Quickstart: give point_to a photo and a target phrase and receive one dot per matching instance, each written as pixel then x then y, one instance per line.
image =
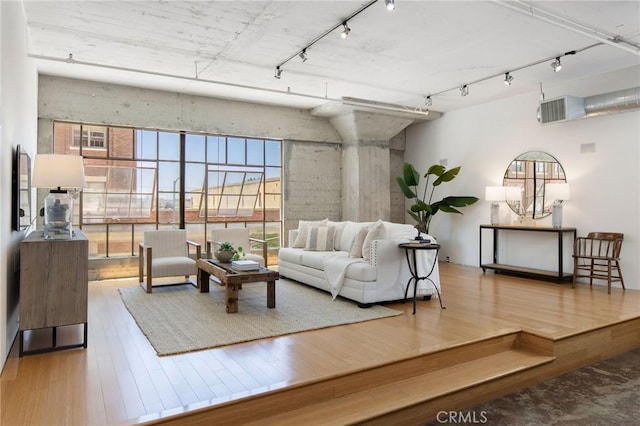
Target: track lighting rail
pixel 342 23
pixel 509 72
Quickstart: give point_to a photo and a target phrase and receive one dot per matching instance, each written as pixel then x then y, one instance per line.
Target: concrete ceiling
pixel 230 49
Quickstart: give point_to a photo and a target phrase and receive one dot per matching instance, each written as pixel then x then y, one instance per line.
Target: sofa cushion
pixel 320 238
pixel 358 241
pixel 361 271
pixel 303 229
pixel 315 259
pixel 376 232
pixel 290 255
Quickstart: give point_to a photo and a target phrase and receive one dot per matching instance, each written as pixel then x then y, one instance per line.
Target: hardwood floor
pixel 119 379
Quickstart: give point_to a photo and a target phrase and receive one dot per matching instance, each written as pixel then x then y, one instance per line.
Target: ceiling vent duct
pixel 609 103
pixel 561 109
pixel 569 108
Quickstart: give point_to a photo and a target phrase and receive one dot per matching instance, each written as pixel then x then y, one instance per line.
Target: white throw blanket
pixel 335 269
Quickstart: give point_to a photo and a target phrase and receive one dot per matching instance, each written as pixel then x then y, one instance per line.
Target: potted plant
pixel 225 251
pixel 423 208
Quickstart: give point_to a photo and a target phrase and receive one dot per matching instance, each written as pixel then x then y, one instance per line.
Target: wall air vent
pixel 561 109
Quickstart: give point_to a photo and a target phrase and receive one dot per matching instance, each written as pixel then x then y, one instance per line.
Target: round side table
pixel 410 250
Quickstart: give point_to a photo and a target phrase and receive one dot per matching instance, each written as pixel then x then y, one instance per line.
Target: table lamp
pixel 58 171
pixel 558 192
pixel 495 194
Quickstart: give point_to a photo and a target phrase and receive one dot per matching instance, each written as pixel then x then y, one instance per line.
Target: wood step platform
pixel 382 393
pixel 414 390
pixel 388 404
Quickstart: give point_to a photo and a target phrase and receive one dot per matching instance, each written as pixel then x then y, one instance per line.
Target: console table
pixel 558 275
pixel 53 286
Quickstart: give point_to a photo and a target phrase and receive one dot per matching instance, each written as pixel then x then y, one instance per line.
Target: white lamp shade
pixel 57 170
pixel 494 193
pixel 557 191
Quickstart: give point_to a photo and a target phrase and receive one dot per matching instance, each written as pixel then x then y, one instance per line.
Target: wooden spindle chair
pixel 597 256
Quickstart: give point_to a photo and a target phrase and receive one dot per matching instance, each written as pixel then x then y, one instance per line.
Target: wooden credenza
pixel 54 276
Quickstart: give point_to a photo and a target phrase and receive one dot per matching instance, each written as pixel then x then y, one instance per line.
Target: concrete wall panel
pixel 103 103
pixel 312 176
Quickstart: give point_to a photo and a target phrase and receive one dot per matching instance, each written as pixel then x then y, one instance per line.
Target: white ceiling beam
pixel 566 23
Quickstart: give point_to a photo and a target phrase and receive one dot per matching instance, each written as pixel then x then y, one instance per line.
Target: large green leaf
pixel 447 204
pixel 459 201
pixel 449 209
pixel 436 169
pixel 411 176
pixel 405 189
pixel 447 176
pixel 421 206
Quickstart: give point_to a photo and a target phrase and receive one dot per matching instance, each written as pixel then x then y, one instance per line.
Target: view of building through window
pixel 141 179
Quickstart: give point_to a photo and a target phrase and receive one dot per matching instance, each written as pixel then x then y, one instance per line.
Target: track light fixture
pixel 345 32
pixel 390 4
pixel 508 78
pixel 428 101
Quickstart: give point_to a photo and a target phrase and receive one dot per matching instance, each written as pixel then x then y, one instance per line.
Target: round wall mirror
pixel 526 179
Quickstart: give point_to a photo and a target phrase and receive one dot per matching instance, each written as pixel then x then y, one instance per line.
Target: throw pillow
pixel 339 230
pixel 320 238
pixel 347 235
pixel 375 233
pixel 358 241
pixel 303 230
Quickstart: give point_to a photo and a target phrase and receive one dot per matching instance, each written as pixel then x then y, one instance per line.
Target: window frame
pixel 94 156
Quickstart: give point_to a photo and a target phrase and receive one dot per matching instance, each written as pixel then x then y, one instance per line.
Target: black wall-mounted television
pixel 21 190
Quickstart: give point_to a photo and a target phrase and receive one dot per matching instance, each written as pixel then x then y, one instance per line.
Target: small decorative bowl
pixel 223 256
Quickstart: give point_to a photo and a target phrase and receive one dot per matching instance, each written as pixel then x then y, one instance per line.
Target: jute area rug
pixel 179 319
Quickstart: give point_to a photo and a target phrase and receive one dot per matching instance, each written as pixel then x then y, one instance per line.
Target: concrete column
pixel 366 192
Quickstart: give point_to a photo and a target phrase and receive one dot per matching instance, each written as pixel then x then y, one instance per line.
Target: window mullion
pixel 183 167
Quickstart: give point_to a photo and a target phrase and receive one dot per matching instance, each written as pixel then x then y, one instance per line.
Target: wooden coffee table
pixel 232 280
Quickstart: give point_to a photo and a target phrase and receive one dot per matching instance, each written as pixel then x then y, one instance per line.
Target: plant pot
pixel 223 256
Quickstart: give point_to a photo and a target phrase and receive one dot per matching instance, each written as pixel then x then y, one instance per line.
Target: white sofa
pixel 382 273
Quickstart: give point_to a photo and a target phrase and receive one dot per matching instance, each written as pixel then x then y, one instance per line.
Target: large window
pixel 141 179
pixel 89 136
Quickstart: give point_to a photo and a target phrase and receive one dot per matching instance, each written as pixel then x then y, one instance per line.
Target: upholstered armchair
pixel 239 237
pixel 165 253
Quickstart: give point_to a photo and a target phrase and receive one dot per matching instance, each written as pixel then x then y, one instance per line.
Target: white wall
pixel 18 122
pixel 605 190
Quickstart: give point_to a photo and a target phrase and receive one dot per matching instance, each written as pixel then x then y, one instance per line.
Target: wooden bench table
pixel 232 280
